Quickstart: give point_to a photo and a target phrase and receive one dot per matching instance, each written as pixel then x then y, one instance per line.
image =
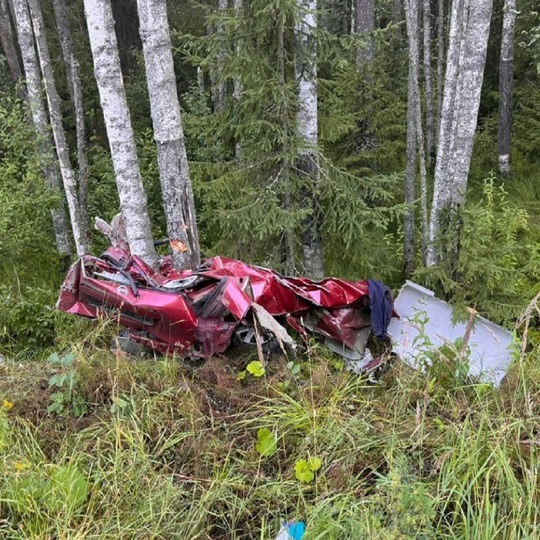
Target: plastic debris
pixel 292 530
pixel 426 323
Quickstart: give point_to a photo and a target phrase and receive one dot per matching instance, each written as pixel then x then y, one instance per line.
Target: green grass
pixel 167 451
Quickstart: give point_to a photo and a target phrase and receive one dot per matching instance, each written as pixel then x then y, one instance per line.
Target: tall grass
pixel 167 451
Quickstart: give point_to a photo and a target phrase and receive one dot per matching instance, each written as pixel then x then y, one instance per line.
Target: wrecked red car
pixel 200 312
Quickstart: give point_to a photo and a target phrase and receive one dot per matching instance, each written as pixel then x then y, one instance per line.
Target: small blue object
pixel 296 530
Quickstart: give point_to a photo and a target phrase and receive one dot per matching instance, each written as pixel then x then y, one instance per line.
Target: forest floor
pixel 98 445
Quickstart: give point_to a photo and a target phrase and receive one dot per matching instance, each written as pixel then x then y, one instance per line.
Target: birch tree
pixel 62 150
pixel 506 84
pixel 415 139
pixel 430 130
pixel 308 163
pixel 40 121
pixel 440 59
pixel 133 202
pixel 75 92
pixel 468 39
pixel 171 151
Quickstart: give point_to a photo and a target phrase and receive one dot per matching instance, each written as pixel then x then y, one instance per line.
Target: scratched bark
pixel 112 96
pixel 176 187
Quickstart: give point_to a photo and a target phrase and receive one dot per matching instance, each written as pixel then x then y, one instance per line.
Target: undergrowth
pixel 163 450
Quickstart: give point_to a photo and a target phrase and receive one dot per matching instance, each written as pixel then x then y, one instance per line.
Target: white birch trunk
pixel 442 187
pixel 133 201
pixel 75 92
pixel 411 20
pixel 308 163
pixel 506 83
pixel 440 59
pixel 171 151
pixel 40 121
pixel 426 11
pixel 472 75
pixel 62 150
pixel 469 33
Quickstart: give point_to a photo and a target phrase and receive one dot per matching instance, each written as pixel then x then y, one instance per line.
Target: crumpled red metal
pixel 196 312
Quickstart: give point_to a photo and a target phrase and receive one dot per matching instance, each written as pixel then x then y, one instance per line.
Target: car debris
pixel 426 323
pixel 202 311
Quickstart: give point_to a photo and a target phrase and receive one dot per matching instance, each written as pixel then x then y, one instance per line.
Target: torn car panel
pixel 196 312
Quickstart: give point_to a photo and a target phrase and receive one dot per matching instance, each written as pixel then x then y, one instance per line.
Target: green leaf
pixel 256 368
pixel 67 489
pixel 314 463
pixel 56 407
pixel 266 442
pixel 303 472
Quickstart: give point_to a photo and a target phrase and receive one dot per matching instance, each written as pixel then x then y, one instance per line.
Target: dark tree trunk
pixel 365 25
pixel 8 43
pixel 506 84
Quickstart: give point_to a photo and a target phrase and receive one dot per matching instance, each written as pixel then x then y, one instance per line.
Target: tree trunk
pixel 39 118
pixel 469 33
pixel 119 129
pixel 8 44
pixel 506 83
pixel 171 151
pixel 308 163
pixel 410 177
pixel 365 25
pixel 75 92
pixel 430 134
pixel 284 114
pixel 415 138
pixel 221 86
pixel 62 150
pixel 440 60
pixel 238 87
pixel 411 19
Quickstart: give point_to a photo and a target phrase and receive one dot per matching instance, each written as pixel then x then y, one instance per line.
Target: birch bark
pixel 62 150
pixel 75 92
pixel 468 39
pixel 472 75
pixel 441 190
pixel 308 163
pixel 40 121
pixel 8 43
pixel 430 132
pixel 506 84
pixel 411 20
pixel 133 201
pixel 415 139
pixel 166 117
pixel 440 59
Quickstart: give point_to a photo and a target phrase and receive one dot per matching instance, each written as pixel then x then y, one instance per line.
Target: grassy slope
pixel 167 451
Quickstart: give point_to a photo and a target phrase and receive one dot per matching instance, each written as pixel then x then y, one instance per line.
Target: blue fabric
pixel 296 530
pixel 382 307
